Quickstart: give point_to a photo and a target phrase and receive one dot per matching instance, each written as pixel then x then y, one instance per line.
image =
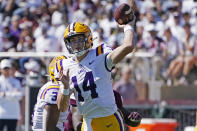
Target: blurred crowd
pixel 167 29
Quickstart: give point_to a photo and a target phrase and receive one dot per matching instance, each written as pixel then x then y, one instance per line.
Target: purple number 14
pixel 92 86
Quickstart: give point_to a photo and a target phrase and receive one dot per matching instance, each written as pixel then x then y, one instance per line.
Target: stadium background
pixel 31 33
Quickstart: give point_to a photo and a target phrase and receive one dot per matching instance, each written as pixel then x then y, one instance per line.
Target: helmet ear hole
pixel 90 39
pixel 89 43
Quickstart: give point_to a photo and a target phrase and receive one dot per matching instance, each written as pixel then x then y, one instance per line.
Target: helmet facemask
pixel 78 38
pixel 77 44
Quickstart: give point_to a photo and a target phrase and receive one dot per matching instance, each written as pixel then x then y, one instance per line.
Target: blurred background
pixel 159 80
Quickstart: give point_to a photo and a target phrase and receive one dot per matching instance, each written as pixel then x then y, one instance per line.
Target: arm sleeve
pixel 108 63
pixel 118 99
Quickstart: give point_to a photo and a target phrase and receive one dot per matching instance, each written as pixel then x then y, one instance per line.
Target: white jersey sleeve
pixel 104 49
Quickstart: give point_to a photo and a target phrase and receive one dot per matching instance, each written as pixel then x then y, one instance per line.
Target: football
pixel 123 14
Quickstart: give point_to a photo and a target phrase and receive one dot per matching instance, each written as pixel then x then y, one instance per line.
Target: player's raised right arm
pixel 127 47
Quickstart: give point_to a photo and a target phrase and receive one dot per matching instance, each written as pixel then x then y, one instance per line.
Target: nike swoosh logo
pixel 109 125
pixel 91 62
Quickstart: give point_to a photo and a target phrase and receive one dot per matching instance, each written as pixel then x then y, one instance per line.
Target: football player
pixel 74 120
pixel 90 77
pixel 46 116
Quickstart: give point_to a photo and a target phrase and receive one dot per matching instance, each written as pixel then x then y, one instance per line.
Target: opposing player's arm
pixel 76 118
pixel 131 119
pixel 128 45
pixel 52 117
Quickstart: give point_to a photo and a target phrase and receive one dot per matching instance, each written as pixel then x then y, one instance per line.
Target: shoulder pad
pixel 48 89
pixel 99 50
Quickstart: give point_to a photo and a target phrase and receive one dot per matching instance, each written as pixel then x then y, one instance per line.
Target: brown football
pixel 123 14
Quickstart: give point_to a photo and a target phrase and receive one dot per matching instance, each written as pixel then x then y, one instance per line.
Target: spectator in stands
pixel 13 73
pixel 139 34
pixel 7 38
pixel 15 29
pixel 46 42
pixel 10 95
pixel 155 45
pixel 183 64
pixel 33 72
pixel 125 87
pixel 174 49
pixel 186 18
pixel 190 44
pixel 176 27
pixel 26 41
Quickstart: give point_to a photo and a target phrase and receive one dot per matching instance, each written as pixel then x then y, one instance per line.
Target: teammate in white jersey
pixel 89 74
pixel 46 116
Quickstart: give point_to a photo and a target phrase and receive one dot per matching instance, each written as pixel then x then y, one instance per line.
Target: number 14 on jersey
pixel 91 87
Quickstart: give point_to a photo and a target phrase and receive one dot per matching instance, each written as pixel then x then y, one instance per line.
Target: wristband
pixel 128 27
pixel 65 91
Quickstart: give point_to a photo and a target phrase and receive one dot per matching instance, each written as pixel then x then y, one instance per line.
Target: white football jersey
pixel 46 95
pixel 91 81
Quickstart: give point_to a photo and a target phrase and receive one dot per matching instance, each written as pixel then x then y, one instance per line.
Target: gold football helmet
pixel 55 63
pixel 78 29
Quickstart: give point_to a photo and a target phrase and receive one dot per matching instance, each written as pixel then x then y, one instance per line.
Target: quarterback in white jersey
pixel 90 77
pixel 91 83
pixel 46 116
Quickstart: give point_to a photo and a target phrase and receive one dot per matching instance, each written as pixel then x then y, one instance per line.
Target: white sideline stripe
pixel 53 54
pixel 158 120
